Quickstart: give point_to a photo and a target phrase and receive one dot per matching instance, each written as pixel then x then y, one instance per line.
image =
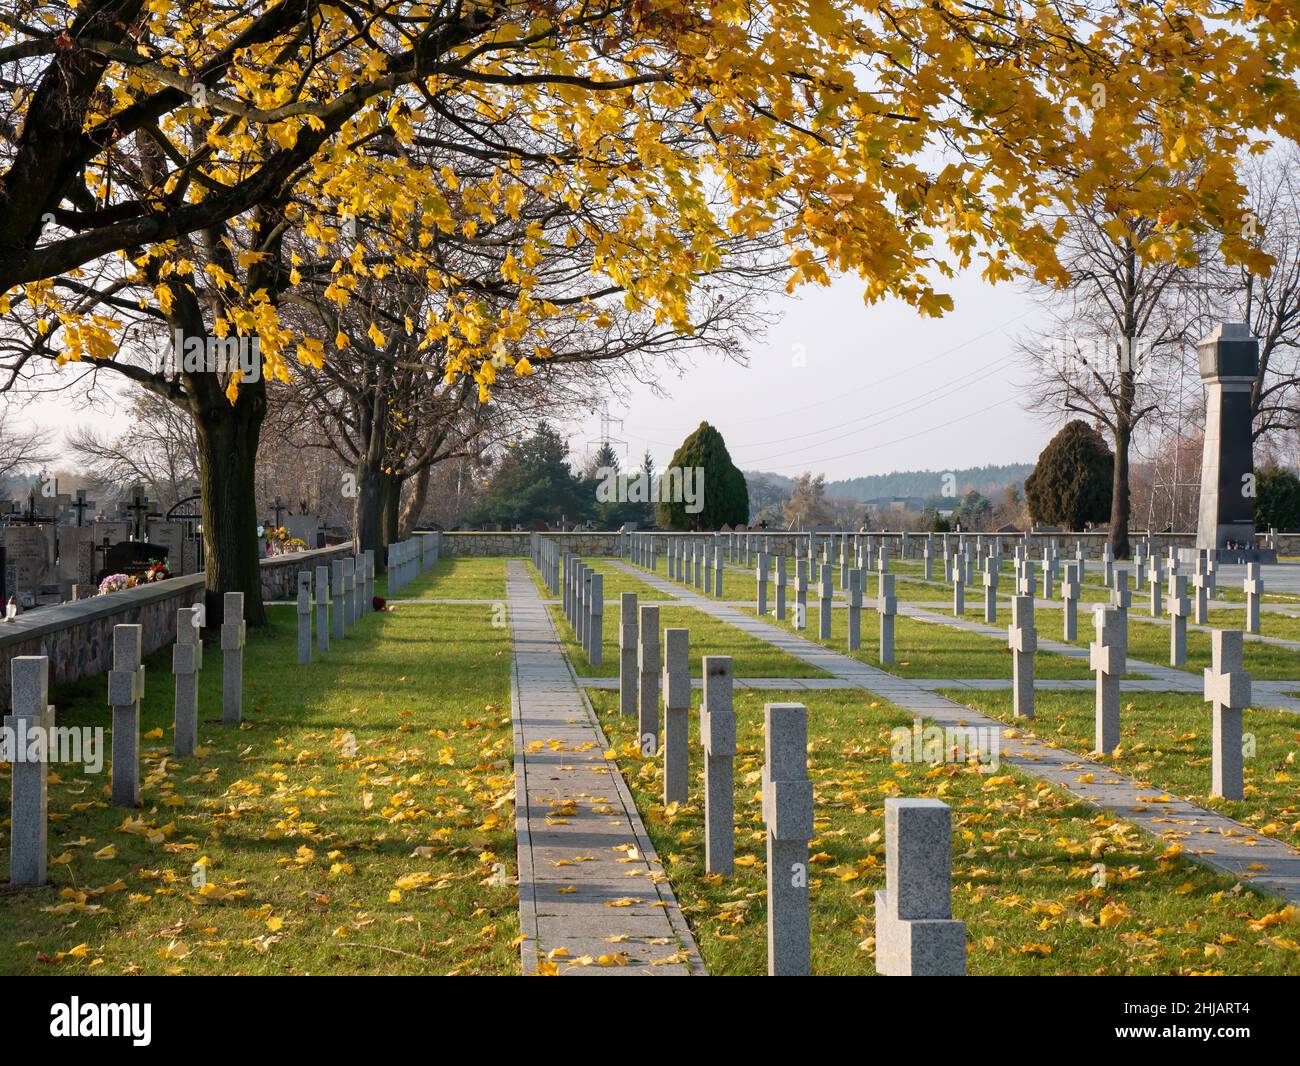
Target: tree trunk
pixel 390 496
pixel 410 512
pixel 227 436
pixel 366 517
pixel 1119 501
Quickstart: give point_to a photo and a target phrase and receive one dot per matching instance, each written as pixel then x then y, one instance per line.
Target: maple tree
pixel 155 153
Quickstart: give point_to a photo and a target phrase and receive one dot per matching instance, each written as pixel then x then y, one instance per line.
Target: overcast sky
pixel 846 390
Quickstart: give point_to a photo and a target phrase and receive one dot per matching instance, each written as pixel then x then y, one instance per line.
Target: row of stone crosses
pixel 936 944
pixel 347 584
pixel 915 931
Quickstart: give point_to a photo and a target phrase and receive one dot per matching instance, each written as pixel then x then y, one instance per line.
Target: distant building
pixel 896 504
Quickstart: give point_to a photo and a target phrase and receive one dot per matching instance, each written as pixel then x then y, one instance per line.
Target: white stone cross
pixel 1107 655
pixel 1022 639
pixel 1227 689
pixel 1253 586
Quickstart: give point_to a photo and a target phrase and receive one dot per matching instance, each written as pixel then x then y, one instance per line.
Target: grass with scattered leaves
pixel 1166 742
pixel 360 821
pixel 752 657
pixel 1025 862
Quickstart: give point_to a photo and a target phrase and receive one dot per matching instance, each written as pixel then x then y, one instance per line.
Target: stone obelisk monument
pixel 1229 360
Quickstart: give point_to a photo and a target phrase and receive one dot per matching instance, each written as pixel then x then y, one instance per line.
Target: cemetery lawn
pixel 616 582
pixel 1271 623
pixel 751 657
pixel 315 861
pixel 454 579
pixel 1148 641
pixel 1023 865
pixel 930 650
pixel 1166 741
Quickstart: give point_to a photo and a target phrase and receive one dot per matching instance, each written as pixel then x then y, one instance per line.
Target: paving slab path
pixel 1207 837
pixel 590 884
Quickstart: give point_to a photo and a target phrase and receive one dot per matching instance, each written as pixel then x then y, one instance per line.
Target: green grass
pixel 616 581
pixel 1271 623
pixel 927 649
pixel 1025 863
pixel 752 657
pixel 1148 641
pixel 302 842
pixel 455 579
pixel 1166 742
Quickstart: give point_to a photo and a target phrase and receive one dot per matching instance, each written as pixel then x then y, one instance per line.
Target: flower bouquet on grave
pixel 157 571
pixel 114 583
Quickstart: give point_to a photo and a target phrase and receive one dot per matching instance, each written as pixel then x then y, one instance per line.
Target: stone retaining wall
pixel 78 637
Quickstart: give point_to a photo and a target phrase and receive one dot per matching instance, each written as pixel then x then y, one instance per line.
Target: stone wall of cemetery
pixel 477 544
pixel 78 637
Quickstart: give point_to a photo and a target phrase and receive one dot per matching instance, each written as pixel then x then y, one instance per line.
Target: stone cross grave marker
pixel 1107 655
pixel 886 608
pixel 1022 639
pixel 1200 588
pixel 1179 608
pixel 648 689
pixel 760 577
pixel 1253 586
pixel 233 635
pixel 187 661
pixel 628 637
pixel 1227 689
pixel 718 739
pixel 125 691
pixel 800 593
pixel 304 617
pixel 322 608
pixel 596 619
pixel 1155 585
pixel 855 610
pixel 677 707
pixel 958 587
pixel 1070 602
pixel 788 815
pixel 29 778
pixel 824 604
pixel 779 560
pixel 916 934
pixel 336 594
pixel 349 592
pixel 990 591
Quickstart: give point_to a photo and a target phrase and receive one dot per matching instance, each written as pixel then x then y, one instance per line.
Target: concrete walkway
pixel 588 873
pixel 1212 839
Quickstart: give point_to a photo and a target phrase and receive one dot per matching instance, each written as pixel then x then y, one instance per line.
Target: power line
pixel 909 436
pixel 930 395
